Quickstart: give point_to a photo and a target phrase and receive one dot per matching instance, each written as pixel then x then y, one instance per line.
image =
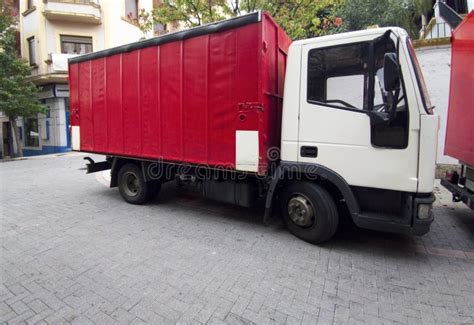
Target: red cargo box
pixel 460 128
pixel 209 95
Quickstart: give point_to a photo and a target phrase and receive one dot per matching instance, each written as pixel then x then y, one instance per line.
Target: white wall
pixel 118 29
pixel 436 65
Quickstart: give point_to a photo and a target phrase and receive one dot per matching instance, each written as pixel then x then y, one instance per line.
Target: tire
pixel 309 212
pixel 132 185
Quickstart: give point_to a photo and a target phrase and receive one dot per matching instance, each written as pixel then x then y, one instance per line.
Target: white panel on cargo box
pixel 246 150
pixel 76 137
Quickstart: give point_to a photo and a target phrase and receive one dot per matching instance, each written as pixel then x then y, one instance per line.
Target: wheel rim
pixel 301 211
pixel 132 186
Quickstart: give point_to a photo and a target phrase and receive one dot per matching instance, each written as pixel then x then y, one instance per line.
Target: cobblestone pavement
pixel 73 252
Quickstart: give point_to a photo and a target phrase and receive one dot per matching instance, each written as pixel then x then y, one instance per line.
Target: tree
pixel 359 14
pixel 304 18
pixel 299 18
pixel 191 12
pixel 18 97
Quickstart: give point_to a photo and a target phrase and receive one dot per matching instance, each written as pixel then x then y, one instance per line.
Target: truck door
pixel 343 121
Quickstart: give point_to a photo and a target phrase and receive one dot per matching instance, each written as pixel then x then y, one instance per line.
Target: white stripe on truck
pixel 76 137
pixel 246 150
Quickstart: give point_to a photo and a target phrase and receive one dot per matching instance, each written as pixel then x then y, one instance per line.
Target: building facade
pixel 51 32
pixel 438 27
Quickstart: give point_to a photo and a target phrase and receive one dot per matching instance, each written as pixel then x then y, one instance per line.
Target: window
pixel 340 76
pixel 337 76
pixel 131 9
pixel 350 77
pixel 32 51
pixel 76 44
pixel 347 89
pixel 31 132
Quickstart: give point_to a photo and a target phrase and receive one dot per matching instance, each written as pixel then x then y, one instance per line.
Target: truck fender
pixel 117 163
pixel 114 172
pixel 316 171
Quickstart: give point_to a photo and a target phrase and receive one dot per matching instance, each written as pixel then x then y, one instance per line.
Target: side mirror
pixel 390 72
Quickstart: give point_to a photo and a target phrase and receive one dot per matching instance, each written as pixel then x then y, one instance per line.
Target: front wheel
pixel 309 212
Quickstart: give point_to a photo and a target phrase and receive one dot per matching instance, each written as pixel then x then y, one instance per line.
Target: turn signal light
pixel 424 211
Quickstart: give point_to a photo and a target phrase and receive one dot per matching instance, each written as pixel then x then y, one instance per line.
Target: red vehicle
pixel 460 127
pixel 193 81
pixel 206 105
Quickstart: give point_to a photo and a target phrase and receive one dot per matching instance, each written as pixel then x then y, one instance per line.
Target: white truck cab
pixel 356 106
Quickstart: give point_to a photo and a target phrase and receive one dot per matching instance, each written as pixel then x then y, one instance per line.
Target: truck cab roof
pixel 350 35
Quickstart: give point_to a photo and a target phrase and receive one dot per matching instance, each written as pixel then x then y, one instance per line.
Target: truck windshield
pixel 425 97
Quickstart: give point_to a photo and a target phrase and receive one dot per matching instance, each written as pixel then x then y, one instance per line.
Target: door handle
pixel 309 151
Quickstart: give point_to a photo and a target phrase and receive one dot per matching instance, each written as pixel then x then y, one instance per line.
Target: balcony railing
pixel 83 11
pixel 436 30
pixel 80 2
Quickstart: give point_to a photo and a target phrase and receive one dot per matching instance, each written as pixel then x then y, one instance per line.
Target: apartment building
pixel 51 32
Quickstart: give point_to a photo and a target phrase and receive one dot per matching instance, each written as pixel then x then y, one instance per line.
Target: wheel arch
pixel 334 183
pixel 117 163
pixel 144 165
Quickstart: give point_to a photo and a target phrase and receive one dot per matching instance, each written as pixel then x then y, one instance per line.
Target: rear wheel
pixel 132 185
pixel 309 212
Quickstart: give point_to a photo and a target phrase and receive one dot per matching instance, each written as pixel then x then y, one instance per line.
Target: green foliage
pixel 300 18
pixel 359 14
pixel 304 18
pixel 191 12
pixel 17 96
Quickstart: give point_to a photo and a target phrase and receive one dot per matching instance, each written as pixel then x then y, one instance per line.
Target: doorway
pixel 6 134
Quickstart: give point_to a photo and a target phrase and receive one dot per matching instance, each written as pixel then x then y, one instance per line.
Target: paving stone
pixel 73 252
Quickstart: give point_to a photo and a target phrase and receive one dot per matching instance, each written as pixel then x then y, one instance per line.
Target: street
pixel 72 251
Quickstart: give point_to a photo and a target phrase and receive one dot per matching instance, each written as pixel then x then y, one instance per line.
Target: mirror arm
pixel 371 83
pixel 393 108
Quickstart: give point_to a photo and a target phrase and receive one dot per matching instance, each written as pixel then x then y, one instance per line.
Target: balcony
pixel 80 11
pixel 56 71
pixel 436 30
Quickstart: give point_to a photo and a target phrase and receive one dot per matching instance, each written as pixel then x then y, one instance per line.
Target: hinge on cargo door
pixel 251 107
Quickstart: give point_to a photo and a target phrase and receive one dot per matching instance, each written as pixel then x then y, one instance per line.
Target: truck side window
pixel 395 134
pixel 340 77
pixel 348 89
pixel 337 76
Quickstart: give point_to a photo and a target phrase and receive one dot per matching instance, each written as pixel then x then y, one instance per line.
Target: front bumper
pixel 416 221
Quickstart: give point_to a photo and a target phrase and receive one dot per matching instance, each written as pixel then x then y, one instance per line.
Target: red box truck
pixel 181 97
pixel 460 127
pixel 207 104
